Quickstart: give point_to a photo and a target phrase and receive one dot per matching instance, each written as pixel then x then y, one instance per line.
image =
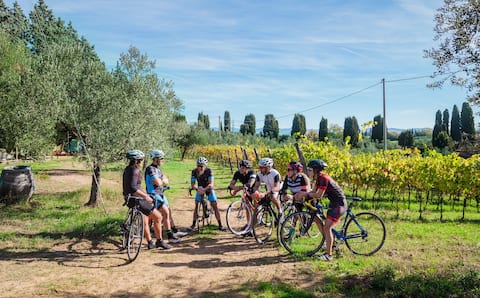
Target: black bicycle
pixel 363 233
pixel 204 213
pixel 132 228
pixel 266 218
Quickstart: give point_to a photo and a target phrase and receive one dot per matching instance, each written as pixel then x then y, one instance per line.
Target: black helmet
pixel 317 164
pixel 135 154
pixel 245 163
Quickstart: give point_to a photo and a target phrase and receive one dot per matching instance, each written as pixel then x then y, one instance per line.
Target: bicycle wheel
pixel 125 228
pixel 201 216
pixel 135 236
pixel 296 231
pixel 288 208
pixel 365 234
pixel 263 224
pixel 238 216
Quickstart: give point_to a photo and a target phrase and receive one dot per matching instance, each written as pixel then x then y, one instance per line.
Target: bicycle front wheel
pixel 263 224
pixel 201 216
pixel 365 233
pixel 299 232
pixel 238 217
pixel 135 236
pixel 125 228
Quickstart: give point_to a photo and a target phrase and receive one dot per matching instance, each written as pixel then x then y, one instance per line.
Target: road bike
pixel 363 233
pixel 239 214
pixel 204 213
pixel 132 228
pixel 266 218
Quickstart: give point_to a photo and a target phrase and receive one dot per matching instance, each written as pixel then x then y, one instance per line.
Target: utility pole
pixel 219 126
pixel 384 119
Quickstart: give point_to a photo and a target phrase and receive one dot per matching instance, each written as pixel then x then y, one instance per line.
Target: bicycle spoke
pixel 367 237
pixel 263 225
pixel 135 236
pixel 295 234
pixel 238 217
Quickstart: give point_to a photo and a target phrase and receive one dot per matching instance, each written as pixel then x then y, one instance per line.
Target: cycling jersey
pixel 203 179
pixel 152 172
pixel 131 180
pixel 332 190
pixel 299 183
pixel 269 179
pixel 244 178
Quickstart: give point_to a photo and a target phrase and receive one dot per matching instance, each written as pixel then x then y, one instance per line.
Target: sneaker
pixel 150 244
pixel 222 228
pixel 248 234
pixel 325 257
pixel 191 228
pixel 173 240
pixel 162 244
pixel 180 234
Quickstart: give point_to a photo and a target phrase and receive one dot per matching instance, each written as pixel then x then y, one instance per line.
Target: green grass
pixel 421 258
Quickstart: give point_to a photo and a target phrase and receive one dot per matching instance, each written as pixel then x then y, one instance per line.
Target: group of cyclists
pixel 261 185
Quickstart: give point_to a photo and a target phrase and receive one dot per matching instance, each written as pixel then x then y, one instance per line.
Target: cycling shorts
pixel 145 207
pixel 212 197
pixel 335 213
pixel 159 200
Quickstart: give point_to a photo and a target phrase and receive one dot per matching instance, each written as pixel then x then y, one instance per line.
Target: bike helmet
pixel 157 153
pixel 265 162
pixel 296 166
pixel 317 164
pixel 202 161
pixel 135 154
pixel 245 163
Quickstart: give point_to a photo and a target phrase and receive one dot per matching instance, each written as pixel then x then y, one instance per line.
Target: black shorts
pixel 144 207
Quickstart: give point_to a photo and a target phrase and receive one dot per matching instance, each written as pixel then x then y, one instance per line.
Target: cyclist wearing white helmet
pixel 155 180
pixel 272 180
pixel 203 177
pixel 132 186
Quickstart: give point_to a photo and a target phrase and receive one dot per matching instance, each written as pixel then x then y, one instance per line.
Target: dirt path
pixel 219 265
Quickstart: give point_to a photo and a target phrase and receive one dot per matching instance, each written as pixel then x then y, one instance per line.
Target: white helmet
pixel 265 162
pixel 202 161
pixel 157 153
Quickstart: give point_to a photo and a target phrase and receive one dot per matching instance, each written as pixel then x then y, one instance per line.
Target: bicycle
pixel 265 218
pixel 204 213
pixel 363 233
pixel 132 228
pixel 239 214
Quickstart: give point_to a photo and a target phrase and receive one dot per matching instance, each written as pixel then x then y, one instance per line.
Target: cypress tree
pixel 352 130
pixel 467 121
pixel 377 129
pixel 446 120
pixel 270 127
pixel 323 130
pixel 455 128
pixel 298 125
pixel 226 121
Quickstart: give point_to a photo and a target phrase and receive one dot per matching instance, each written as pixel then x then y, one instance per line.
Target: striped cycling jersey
pixel 299 183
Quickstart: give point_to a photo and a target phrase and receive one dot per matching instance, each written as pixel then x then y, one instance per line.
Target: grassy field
pixel 419 259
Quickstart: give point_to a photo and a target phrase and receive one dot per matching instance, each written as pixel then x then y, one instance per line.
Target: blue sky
pixel 280 57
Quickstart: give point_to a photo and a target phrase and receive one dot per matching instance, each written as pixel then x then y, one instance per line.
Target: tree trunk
pixel 95 189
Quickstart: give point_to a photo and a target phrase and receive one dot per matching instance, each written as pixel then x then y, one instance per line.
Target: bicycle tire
pixel 288 208
pixel 125 228
pixel 263 224
pixel 200 216
pixel 135 236
pixel 238 215
pixel 368 241
pixel 296 231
